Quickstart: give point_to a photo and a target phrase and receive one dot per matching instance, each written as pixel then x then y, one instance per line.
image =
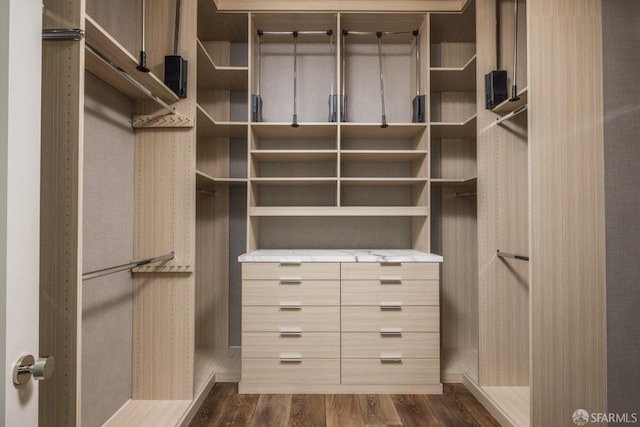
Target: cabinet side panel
pixel 567 210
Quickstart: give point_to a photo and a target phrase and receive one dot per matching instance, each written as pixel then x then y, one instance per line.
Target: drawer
pixel 291 272
pixel 373 292
pixel 406 319
pixel 270 345
pixel 401 371
pixel 305 292
pixel 274 318
pixel 373 345
pixel 390 271
pixel 306 371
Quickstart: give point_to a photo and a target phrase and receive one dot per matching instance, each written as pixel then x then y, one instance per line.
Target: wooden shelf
pixel 456 363
pixel 454 79
pixel 378 211
pixel 213 77
pixel 510 405
pixel 505 107
pixel 150 413
pixel 445 130
pixel 382 181
pixel 382 155
pixel 454 181
pixel 286 131
pixel 294 180
pixel 207 126
pixel 374 131
pixel 454 27
pixel 294 155
pixel 99 39
pixel 206 181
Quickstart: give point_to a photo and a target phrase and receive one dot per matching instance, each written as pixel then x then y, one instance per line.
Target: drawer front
pixel 392 271
pixel 373 345
pixel 373 292
pixel 271 345
pixel 275 318
pixel 405 371
pixel 306 371
pixel 305 292
pixel 290 272
pixel 405 319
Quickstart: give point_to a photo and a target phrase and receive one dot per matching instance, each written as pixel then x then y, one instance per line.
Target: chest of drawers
pixel 340 327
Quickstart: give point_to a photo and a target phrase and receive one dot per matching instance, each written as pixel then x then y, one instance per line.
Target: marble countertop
pixel 338 255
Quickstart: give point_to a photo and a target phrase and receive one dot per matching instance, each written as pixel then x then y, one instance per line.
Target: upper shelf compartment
pixel 219 26
pixel 211 76
pixel 454 27
pixel 100 40
pixel 454 78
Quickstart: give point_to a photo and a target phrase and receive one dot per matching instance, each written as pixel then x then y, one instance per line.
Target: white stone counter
pixel 338 255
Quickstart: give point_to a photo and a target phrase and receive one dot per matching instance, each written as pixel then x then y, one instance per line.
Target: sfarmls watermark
pixel 582 417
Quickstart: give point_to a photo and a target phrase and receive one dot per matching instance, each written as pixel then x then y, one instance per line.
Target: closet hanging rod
pixel 128 266
pixel 512 114
pixel 384 33
pixel 291 33
pixel 508 255
pixel 465 194
pixel 204 191
pixel 133 81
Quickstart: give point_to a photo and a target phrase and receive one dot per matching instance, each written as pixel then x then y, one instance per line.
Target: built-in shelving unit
pixel 454 78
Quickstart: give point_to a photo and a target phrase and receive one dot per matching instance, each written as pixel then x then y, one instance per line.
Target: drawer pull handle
pixel 290 358
pixel 390 261
pixel 391 332
pixel 390 280
pixel 290 280
pixel 390 306
pixel 290 306
pixel 291 262
pixel 290 332
pixel 396 358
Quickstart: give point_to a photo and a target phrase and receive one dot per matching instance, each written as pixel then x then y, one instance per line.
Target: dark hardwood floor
pixel 456 407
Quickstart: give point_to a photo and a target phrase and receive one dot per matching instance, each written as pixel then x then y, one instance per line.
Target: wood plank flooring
pixel 456 407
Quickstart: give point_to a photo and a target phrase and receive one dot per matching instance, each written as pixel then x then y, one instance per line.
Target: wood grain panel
pixel 373 371
pixel 284 270
pixel 316 345
pixel 567 210
pixel 307 292
pixel 373 292
pixel 308 371
pixel 61 221
pixel 308 318
pixel 163 321
pixel 502 224
pixel 411 345
pixel 149 413
pixel 378 271
pixel 372 319
pixel 341 5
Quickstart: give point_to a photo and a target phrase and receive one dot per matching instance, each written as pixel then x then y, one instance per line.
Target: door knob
pixel 26 367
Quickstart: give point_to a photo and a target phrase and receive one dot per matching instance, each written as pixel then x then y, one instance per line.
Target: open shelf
pixel 207 126
pixel 508 106
pixel 379 211
pixel 213 77
pixel 207 181
pixel 443 130
pixel 454 181
pixel 295 180
pixel 214 25
pixel 99 39
pixel 454 78
pixel 382 181
pixel 381 155
pixel 456 363
pixel 286 131
pixel 454 27
pixel 374 131
pixel 510 405
pixel 294 155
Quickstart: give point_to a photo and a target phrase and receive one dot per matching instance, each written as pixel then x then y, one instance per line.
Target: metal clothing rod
pixel 58 34
pixel 295 80
pixel 514 88
pixel 512 114
pixel 176 34
pixel 207 192
pixel 375 33
pixel 142 66
pixel 384 115
pixel 128 266
pixel 294 33
pixel 508 255
pixel 465 194
pixel 136 83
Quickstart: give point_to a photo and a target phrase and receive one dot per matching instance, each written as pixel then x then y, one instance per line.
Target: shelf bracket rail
pixel 63 34
pixel 512 114
pixel 133 81
pixel 128 266
pixel 501 254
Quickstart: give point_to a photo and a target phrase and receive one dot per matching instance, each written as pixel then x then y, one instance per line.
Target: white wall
pixel 20 70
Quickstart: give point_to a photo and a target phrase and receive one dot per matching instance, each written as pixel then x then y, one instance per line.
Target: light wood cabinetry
pixel 374 325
